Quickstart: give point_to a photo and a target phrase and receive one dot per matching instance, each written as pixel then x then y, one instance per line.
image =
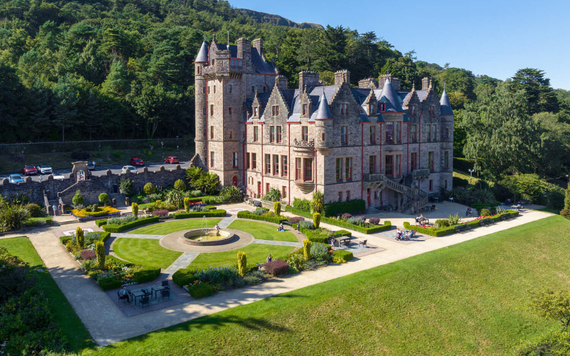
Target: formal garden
pixel 18 213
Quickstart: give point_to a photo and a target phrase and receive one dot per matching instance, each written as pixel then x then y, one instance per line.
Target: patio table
pixel 138 294
pixel 156 289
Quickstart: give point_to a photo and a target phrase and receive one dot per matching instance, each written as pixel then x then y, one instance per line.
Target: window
pixel 339 169
pixel 344 135
pixel 446 159
pixel 414 132
pixel 430 161
pixel 205 111
pixel 398 165
pixel 431 185
pixel 308 162
pixel 253 88
pixel 298 169
pixel 272 134
pixel 255 111
pixel 446 134
pixel 445 184
pixel 212 159
pixel 199 70
pixel 214 89
pixel 348 168
pixel 208 89
pixel 213 61
pixel 278 134
pixel 229 88
pixel 347 195
pixel 370 109
pixel 428 132
pixel 305 133
pixel 204 90
pixel 344 109
pixel 413 110
pixel 389 165
pixel 339 197
pixel 432 110
pixel 235 159
pixel 212 132
pixel 389 132
pixel 267 164
pixel 275 165
pixel 433 132
pixel 323 136
pixel 211 110
pixel 253 161
pixel 231 134
pixel 372 135
pixel 372 164
pixel 275 110
pixel 264 88
pixel 284 192
pixel 247 160
pixel 259 189
pixel 382 106
pixel 229 110
pixel 398 131
pixel 284 166
pixel 413 161
pixel 255 134
pixel 305 109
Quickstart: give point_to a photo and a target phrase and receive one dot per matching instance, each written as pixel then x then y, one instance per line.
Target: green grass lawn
pixel 467 299
pixel 70 324
pixel 165 228
pixel 145 252
pixel 262 231
pixel 256 253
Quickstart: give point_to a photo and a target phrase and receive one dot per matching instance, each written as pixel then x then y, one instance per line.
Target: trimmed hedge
pixel 315 235
pixel 139 222
pixel 366 230
pixel 109 283
pixel 351 207
pixel 103 236
pixel 249 215
pixel 343 255
pixel 101 222
pixel 146 275
pixel 343 233
pixel 199 214
pixel 197 199
pixel 482 206
pixel 183 277
pixel 201 290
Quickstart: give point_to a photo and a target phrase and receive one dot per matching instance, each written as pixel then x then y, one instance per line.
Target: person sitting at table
pixel 422 218
pixel 281 228
pixel 269 258
pixel 417 219
pixel 124 294
pixel 398 234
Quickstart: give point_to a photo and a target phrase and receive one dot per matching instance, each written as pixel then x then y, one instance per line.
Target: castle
pixel 374 142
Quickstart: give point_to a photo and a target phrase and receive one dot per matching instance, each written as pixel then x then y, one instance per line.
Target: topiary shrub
pixel 316 220
pixel 180 185
pixel 187 204
pixel 565 213
pixel 104 198
pixel 307 249
pixel 183 277
pixel 277 267
pixel 341 256
pixel 100 249
pixel 242 263
pixel 34 210
pixel 201 290
pixel 135 209
pixel 485 212
pixel 149 188
pixel 127 187
pixel 277 208
pixel 80 237
pixel 77 198
pixel 374 221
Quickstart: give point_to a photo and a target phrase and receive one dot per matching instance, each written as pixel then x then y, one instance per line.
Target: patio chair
pixel 363 243
pixel 124 299
pixel 164 294
pixel 145 301
pixel 432 207
pixel 165 284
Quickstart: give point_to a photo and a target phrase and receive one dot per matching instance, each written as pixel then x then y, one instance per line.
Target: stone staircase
pixel 418 198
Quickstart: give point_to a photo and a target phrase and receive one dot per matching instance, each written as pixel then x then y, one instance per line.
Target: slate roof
pixel 445 105
pixel 259 63
pixel 324 111
pixel 202 54
pixel 389 96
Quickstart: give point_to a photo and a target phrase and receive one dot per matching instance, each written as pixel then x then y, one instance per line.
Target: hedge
pixel 210 207
pixel 482 206
pixel 197 199
pixel 460 182
pixel 366 230
pixel 351 207
pixel 199 214
pixel 109 283
pixel 183 277
pixel 139 222
pixel 103 236
pixel 343 255
pixel 249 215
pixel 462 164
pixel 200 290
pixel 343 233
pixel 315 235
pixel 101 222
pixel 146 275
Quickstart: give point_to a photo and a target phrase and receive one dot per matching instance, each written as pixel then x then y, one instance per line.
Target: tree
pixel 65 103
pixel 307 249
pixel 193 174
pixel 80 237
pixel 149 188
pixel 104 198
pixel 318 202
pixel 77 199
pixel 277 208
pixel 538 92
pixel 566 211
pixel 100 250
pixel 12 216
pixel 209 183
pixel 242 263
pixel 316 220
pixel 554 305
pixel 187 204
pixel 135 210
pixel 127 187
pixel 180 185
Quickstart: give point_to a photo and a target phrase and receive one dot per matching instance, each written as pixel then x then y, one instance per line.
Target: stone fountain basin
pixel 225 237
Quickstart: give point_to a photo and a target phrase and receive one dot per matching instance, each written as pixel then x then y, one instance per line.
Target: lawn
pixel 256 253
pixel 165 228
pixel 262 231
pixel 70 324
pixel 145 252
pixel 466 299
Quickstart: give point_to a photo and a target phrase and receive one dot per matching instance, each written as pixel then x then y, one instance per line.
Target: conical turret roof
pixel 390 97
pixel 445 105
pixel 202 56
pixel 323 112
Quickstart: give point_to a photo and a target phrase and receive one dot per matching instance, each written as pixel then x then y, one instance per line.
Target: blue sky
pixel 495 38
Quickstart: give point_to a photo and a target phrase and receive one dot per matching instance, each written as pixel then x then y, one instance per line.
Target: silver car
pixel 44 169
pixel 129 169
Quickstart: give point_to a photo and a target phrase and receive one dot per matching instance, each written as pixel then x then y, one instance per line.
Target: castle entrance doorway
pixel 235 181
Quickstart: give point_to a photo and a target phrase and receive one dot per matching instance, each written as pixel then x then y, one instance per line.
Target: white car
pixel 129 169
pixel 58 176
pixel 44 169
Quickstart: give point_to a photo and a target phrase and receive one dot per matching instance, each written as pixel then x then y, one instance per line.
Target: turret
pixel 323 123
pixel 446 109
pixel 200 113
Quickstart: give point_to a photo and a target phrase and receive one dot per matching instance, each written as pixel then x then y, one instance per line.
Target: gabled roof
pixel 202 54
pixel 323 112
pixel 445 105
pixel 389 96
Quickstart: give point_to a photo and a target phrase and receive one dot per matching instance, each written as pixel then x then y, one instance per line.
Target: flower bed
pixel 367 229
pixel 130 225
pixel 200 214
pixel 84 214
pixel 271 218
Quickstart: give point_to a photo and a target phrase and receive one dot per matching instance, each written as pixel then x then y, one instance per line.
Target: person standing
pixel 54 210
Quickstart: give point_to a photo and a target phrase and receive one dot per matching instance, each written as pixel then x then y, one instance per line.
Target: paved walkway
pixel 225 222
pixel 108 325
pixel 136 236
pixel 182 262
pixel 278 243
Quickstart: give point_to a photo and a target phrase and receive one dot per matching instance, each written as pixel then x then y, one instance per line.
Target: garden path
pixel 136 236
pixel 108 325
pixel 225 222
pixel 182 262
pixel 278 243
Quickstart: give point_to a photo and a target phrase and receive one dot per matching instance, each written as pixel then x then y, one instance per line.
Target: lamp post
pixel 471 175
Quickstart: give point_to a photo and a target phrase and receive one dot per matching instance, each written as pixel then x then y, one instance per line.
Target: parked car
pixel 44 169
pixel 15 179
pixel 137 162
pixel 58 176
pixel 90 166
pixel 171 160
pixel 129 169
pixel 29 170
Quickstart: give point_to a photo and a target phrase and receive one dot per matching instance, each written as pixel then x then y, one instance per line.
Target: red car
pixel 171 160
pixel 137 162
pixel 29 170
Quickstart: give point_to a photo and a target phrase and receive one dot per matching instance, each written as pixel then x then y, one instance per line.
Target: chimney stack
pixel 258 44
pixel 282 82
pixel 425 83
pixel 342 76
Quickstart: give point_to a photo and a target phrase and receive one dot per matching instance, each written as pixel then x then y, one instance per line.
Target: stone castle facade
pixel 374 142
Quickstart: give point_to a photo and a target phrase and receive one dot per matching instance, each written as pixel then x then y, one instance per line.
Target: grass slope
pixel 462 300
pixel 145 252
pixel 69 322
pixel 165 228
pixel 262 231
pixel 256 253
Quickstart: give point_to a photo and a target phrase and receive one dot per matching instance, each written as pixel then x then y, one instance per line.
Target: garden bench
pixel 286 222
pixel 460 228
pixel 484 222
pixel 363 243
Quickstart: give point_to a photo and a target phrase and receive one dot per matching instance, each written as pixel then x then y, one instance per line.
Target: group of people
pixel 280 228
pixel 469 212
pixel 420 218
pixel 404 235
pixel 57 210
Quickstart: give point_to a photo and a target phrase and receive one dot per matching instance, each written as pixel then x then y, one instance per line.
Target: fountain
pixel 206 236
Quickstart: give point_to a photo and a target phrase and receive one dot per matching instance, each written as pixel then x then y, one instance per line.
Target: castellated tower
pixel 200 107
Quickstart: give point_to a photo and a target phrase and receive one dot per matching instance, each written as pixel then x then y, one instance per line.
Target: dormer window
pixel 305 109
pixel 413 110
pixel 275 110
pixel 370 109
pixel 432 110
pixel 343 109
pixel 255 111
pixel 382 106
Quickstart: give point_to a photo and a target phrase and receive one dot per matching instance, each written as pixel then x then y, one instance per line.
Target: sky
pixel 495 38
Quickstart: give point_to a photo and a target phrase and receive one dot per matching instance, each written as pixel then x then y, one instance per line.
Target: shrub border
pixel 138 222
pixel 371 230
pixel 200 214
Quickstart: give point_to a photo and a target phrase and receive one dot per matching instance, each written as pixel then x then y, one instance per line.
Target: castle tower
pixel 200 113
pixel 323 123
